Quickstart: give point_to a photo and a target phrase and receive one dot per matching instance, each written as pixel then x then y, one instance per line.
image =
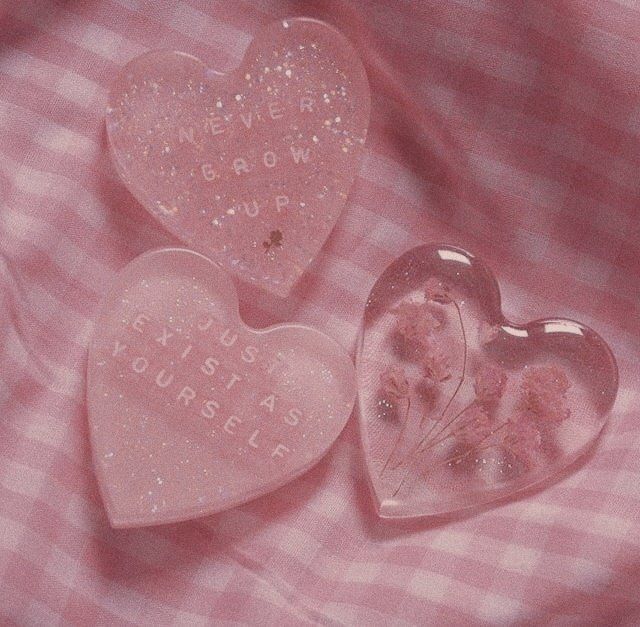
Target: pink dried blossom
pixel 543 394
pixel 414 321
pixel 435 365
pixel 521 438
pixel 394 382
pixel 437 291
pixel 477 425
pixel 489 383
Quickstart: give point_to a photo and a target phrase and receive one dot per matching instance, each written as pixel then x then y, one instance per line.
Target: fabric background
pixel 507 127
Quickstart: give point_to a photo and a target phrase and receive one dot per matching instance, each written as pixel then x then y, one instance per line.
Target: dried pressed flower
pixel 553 378
pixel 521 438
pixel 489 383
pixel 477 425
pixel 395 385
pixel 394 382
pixel 435 364
pixel 414 321
pixel 437 291
pixel 543 394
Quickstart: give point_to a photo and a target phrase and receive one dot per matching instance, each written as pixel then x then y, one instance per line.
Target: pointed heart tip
pixel 119 523
pixel 386 507
pixel 389 508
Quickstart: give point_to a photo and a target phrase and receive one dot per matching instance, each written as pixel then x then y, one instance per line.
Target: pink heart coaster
pixel 252 168
pixel 190 411
pixel 460 407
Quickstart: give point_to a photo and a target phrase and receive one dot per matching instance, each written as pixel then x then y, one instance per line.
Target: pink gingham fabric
pixel 508 127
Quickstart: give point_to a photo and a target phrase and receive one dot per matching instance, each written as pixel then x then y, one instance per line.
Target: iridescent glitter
pixel 223 160
pixel 192 412
pixel 460 407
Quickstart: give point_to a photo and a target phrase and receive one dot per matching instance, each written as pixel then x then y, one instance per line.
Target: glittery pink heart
pixel 460 407
pixel 192 412
pixel 253 168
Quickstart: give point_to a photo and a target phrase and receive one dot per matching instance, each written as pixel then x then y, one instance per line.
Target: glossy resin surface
pixel 192 412
pixel 460 407
pixel 250 168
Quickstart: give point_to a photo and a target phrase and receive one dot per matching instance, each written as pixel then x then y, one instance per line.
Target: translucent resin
pixel 250 168
pixel 192 412
pixel 458 406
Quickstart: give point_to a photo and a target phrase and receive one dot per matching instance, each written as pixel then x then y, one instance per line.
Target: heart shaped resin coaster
pixel 190 411
pixel 253 168
pixel 460 407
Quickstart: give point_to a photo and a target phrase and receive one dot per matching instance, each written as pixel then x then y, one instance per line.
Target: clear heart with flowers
pixel 460 407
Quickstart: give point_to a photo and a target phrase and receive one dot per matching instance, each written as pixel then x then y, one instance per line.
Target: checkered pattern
pixel 507 127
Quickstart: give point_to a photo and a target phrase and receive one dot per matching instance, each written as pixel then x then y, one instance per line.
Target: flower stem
pixel 475 449
pixel 466 454
pixel 461 456
pixel 455 393
pixel 402 430
pixel 464 358
pixel 446 408
pixel 434 439
pixel 460 427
